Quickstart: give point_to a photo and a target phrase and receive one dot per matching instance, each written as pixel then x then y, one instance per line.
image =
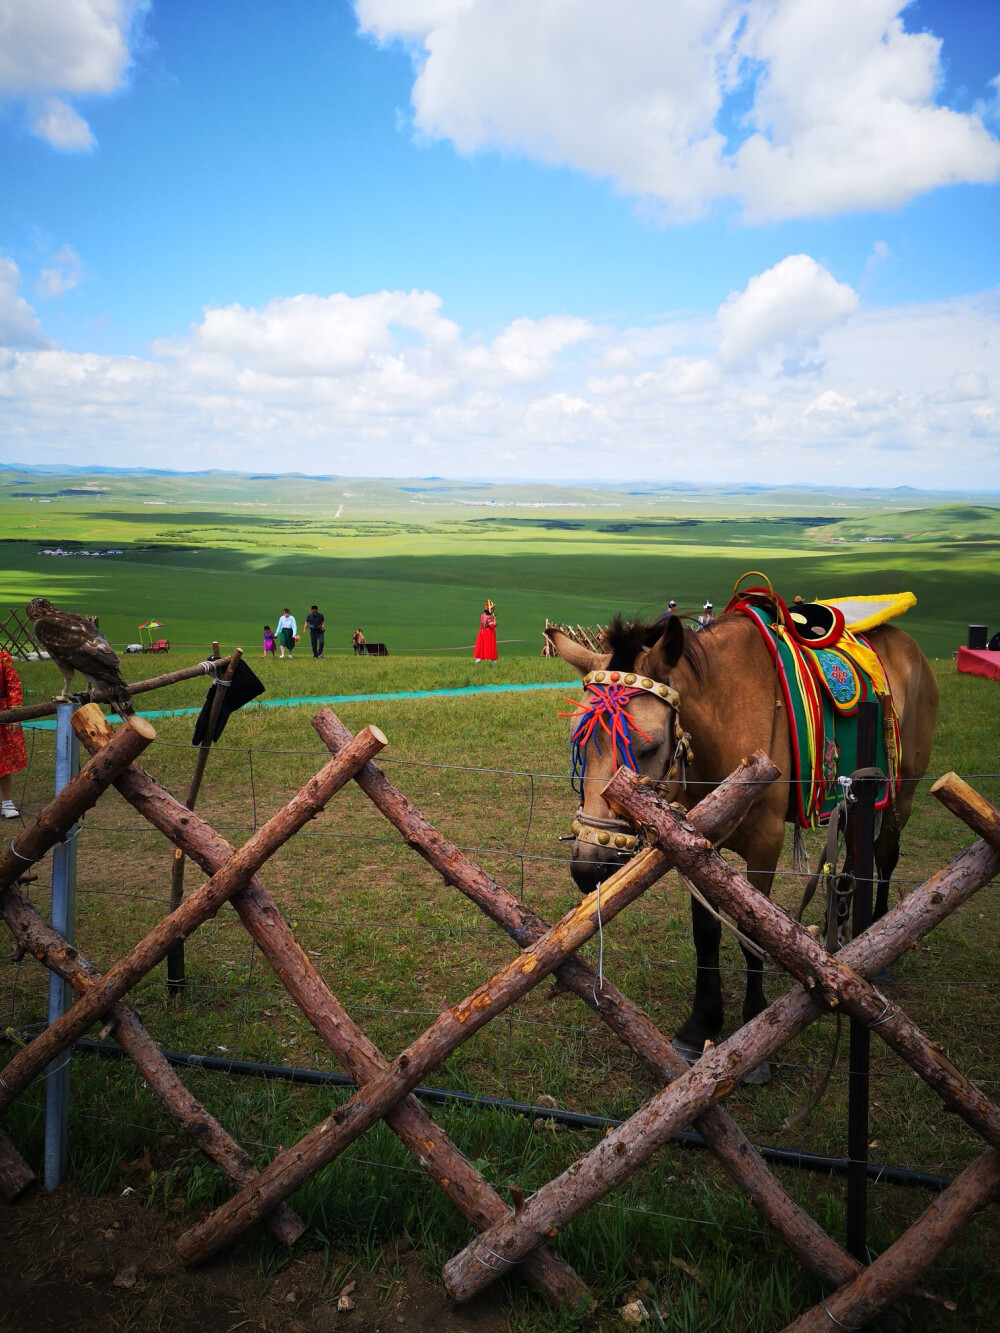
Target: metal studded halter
pixel 607 712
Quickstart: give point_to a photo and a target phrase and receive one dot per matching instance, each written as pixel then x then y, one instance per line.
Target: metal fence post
pixel 861 848
pixel 63 920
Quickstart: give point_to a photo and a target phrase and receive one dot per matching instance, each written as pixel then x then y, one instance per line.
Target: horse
pixel 707 700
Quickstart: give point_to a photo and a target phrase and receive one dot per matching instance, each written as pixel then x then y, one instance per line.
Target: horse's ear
pixel 666 652
pixel 575 653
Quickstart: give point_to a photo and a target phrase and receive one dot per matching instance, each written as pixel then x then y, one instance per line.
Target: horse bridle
pixel 615 833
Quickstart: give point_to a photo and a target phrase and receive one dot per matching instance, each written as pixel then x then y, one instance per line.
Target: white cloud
pixel 65 273
pixel 792 107
pixel 51 50
pixel 387 383
pixel 55 121
pixel 786 308
pixel 19 326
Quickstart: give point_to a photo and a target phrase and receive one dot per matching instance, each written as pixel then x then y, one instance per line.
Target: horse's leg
pixel 761 854
pixel 886 859
pixel 706 1016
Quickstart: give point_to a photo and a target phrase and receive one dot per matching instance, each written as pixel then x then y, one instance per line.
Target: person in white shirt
pixel 287 631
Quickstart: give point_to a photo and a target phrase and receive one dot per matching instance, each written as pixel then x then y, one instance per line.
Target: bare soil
pixel 106 1263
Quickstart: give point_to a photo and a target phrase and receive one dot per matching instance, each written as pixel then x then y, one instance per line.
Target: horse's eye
pixel 640 745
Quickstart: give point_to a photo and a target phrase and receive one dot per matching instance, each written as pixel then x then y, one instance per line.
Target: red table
pixel 979 662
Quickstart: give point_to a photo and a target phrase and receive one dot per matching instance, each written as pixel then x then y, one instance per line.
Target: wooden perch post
pixel 175 958
pixel 410 1121
pixel 621 1153
pixel 627 1020
pixel 196 909
pixel 291 1167
pixel 28 712
pixel 38 938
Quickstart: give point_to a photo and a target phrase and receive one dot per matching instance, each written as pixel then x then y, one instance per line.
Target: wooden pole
pixel 627 1020
pixel 80 794
pixel 15 1173
pixel 293 1166
pixel 38 938
pixel 410 1121
pixel 861 841
pixel 968 805
pixel 28 712
pixel 894 1273
pixel 620 1154
pixel 175 958
pixel 193 912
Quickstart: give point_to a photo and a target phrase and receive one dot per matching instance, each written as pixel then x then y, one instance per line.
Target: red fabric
pixel 979 662
pixel 13 756
pixel 486 640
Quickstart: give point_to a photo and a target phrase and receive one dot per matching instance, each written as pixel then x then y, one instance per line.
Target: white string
pixel 829 1313
pixel 599 978
pixel 501 1263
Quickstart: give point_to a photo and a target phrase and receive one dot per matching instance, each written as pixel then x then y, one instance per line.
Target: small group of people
pixel 285 634
pixel 704 620
pixel 13 756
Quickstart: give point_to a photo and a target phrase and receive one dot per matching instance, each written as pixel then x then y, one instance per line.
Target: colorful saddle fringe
pixel 821 690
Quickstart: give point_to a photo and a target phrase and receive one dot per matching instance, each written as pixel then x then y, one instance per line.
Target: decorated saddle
pixel 826 668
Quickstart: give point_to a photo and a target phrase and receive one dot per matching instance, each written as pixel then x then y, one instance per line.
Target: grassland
pixel 396 944
pixel 216 557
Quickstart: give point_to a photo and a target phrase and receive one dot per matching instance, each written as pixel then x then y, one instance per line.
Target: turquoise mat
pixel 48 724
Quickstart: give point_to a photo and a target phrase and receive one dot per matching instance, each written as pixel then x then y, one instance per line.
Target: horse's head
pixel 627 716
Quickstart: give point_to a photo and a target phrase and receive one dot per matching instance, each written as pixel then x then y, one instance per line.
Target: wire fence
pixel 396 944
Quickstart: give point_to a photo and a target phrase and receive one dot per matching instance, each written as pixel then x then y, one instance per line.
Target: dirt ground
pixel 106 1264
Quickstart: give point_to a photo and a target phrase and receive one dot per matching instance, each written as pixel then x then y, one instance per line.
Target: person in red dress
pixel 486 640
pixel 13 758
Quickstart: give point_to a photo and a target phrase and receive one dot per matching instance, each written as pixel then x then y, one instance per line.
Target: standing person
pixel 288 632
pixel 671 610
pixel 13 758
pixel 706 617
pixel 269 643
pixel 316 625
pixel 486 640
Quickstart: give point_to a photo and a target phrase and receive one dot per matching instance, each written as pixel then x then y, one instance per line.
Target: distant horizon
pixel 579 483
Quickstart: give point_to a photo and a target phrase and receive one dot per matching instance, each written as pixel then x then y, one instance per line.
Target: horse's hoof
pixel 759 1075
pixel 689 1054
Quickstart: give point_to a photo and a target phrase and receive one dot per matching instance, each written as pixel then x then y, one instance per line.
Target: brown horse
pixel 728 700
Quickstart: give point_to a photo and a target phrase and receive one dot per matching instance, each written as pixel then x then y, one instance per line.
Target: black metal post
pixel 176 978
pixel 861 856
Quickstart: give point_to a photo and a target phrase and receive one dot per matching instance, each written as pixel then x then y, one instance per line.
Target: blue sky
pixel 700 239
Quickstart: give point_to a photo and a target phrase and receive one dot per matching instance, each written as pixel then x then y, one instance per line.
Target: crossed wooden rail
pixel 507 1237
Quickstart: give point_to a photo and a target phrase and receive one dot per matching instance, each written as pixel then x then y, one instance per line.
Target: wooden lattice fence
pixel 521 1236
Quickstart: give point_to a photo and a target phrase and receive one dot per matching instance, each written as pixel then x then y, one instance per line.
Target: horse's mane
pixel 627 638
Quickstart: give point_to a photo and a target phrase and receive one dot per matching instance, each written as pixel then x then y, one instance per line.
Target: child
pixel 13 758
pixel 269 642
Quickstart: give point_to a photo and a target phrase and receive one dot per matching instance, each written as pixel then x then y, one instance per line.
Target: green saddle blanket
pixel 822 689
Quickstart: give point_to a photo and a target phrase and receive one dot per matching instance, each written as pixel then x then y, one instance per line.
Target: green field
pixel 413 562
